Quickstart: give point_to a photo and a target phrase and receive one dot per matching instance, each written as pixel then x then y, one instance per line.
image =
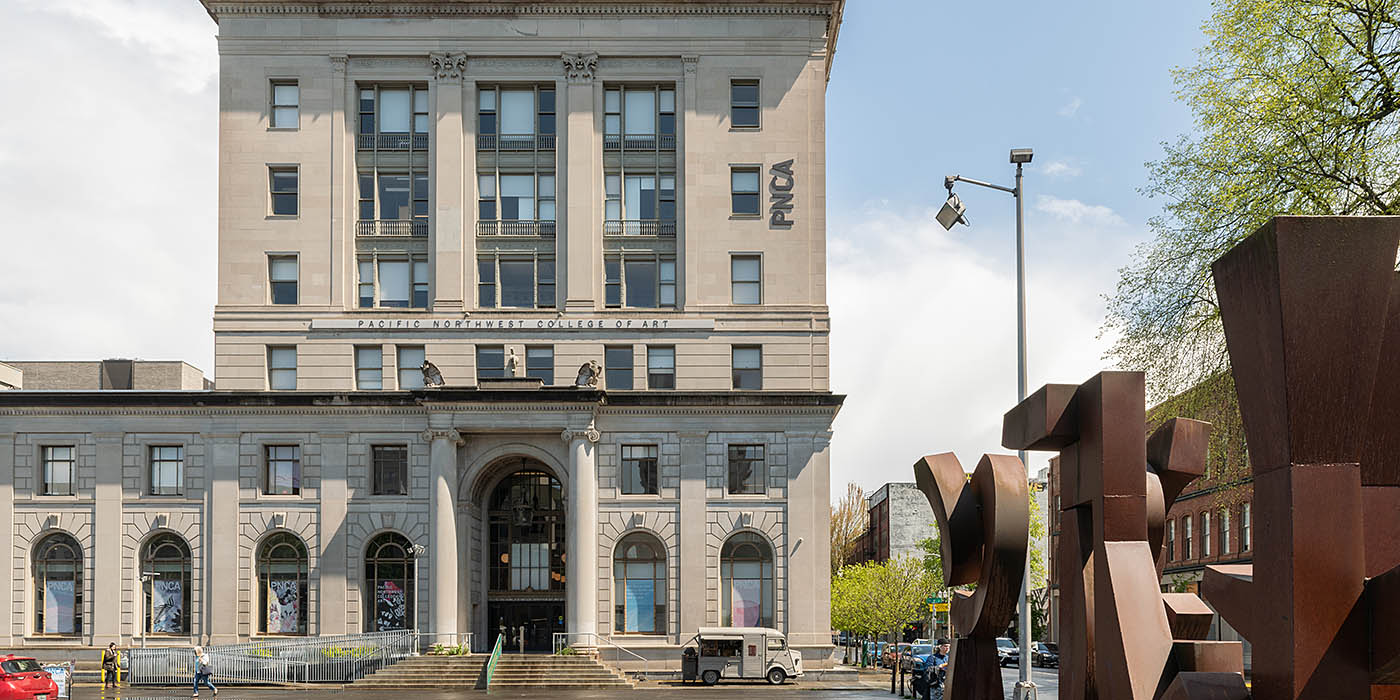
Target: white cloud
pixel 1060 168
pixel 1077 212
pixel 1071 108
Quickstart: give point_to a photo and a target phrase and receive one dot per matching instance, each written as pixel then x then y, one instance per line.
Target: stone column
pixel 689 173
pixel 692 534
pixel 7 527
pixel 448 174
pixel 582 547
pixel 334 495
pixel 344 187
pixel 442 544
pixel 221 546
pixel 107 541
pixel 808 599
pixel 583 226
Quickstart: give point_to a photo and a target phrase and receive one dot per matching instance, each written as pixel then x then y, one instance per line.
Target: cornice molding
pixel 469 9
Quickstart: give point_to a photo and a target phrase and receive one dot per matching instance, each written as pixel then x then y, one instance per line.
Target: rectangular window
pixel 420 284
pixel 612 281
pixel 283 470
pixel 285 102
pixel 617 367
pixel 1186 538
pixel 539 363
pixel 643 281
pixel 746 279
pixel 486 283
pixel 167 470
pixel 59 471
pixel 1205 534
pixel 634 117
pixel 1224 531
pixel 1245 541
pixel 639 469
pixel 743 104
pixel 283 183
pixel 282 276
pixel 282 367
pixel 490 362
pixel 747 470
pixel 661 367
pixel 517 284
pixel 545 277
pixel 366 284
pixel 390 470
pixel 744 190
pixel 411 359
pixel 1171 540
pixel 486 113
pixel 369 367
pixel 747 362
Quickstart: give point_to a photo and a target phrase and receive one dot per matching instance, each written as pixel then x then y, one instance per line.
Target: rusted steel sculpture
pixel 1121 638
pixel 983 524
pixel 1311 308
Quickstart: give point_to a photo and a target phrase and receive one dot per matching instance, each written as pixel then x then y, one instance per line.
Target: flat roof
pixel 331 399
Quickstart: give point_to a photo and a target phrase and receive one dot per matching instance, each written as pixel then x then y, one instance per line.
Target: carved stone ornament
pixel 580 67
pixel 448 65
pixel 690 62
pixel 450 435
pixel 590 434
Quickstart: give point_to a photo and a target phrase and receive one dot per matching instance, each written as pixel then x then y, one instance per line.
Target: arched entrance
pixel 525 571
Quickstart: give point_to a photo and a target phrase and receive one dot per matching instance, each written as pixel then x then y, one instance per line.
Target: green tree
pixel 875 598
pixel 1295 110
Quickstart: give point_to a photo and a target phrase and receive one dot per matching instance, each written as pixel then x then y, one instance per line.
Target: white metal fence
pixel 340 658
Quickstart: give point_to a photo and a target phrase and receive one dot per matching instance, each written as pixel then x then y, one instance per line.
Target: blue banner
pixel 641 605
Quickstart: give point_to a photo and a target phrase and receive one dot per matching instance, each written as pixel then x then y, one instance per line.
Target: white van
pixel 739 652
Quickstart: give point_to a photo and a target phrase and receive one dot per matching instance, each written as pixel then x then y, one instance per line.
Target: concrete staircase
pixel 441 672
pixel 518 671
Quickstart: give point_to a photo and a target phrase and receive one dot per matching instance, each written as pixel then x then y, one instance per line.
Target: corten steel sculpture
pixel 983 525
pixel 1121 638
pixel 1311 309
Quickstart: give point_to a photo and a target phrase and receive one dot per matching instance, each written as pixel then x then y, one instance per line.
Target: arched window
pixel 389 576
pixel 282 585
pixel 58 586
pixel 168 597
pixel 746 581
pixel 639 585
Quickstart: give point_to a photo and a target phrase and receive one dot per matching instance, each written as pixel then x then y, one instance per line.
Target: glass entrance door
pixel 526 571
pixel 540 619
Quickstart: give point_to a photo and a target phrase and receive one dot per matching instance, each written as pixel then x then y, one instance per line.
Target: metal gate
pixel 339 659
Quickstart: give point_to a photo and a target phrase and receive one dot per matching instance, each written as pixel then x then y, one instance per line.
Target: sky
pixel 109 182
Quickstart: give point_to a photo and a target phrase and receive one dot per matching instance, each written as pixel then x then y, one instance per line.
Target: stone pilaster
pixel 449 172
pixel 689 173
pixel 107 541
pixel 343 187
pixel 335 450
pixel 442 544
pixel 582 225
pixel 692 534
pixel 222 538
pixel 581 602
pixel 7 522
pixel 808 541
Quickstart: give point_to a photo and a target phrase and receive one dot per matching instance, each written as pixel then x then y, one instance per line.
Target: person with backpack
pixel 109 665
pixel 202 672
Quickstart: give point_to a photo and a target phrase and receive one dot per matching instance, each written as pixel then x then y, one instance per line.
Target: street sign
pixel 940 607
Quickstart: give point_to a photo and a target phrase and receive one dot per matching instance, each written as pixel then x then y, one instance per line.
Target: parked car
pixel 918 657
pixel 23 678
pixel 893 654
pixel 1007 652
pixel 1046 655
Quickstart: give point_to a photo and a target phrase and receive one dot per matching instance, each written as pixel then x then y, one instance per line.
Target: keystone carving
pixel 448 66
pixel 580 67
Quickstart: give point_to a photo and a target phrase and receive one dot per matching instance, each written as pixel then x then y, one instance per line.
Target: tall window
pixel 490 362
pixel 401 282
pixel 1224 531
pixel 743 104
pixel 282 277
pixel 393 117
pixel 639 203
pixel 390 470
pixel 748 472
pixel 661 367
pixel 642 280
pixel 1245 534
pixel 411 359
pixel 283 182
pixel 389 577
pixel 1205 534
pixel 283 470
pixel 639 118
pixel 639 580
pixel 1185 538
pixel 167 470
pixel 369 367
pixel 746 581
pixel 516 204
pixel 512 118
pixel 393 201
pixel 58 586
pixel 617 367
pixel 639 469
pixel 747 362
pixel 1171 540
pixel 282 367
pixel 282 600
pixel 285 102
pixel 539 363
pixel 743 184
pixel 167 609
pixel 746 279
pixel 527 532
pixel 515 282
pixel 59 471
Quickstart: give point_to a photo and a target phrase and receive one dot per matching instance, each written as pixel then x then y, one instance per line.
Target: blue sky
pixel 111 196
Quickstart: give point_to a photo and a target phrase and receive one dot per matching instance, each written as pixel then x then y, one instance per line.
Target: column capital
pixel 580 67
pixel 689 62
pixel 590 434
pixel 450 434
pixel 339 62
pixel 448 65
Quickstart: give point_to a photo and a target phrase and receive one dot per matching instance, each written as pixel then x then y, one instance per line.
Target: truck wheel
pixel 776 676
pixel 710 677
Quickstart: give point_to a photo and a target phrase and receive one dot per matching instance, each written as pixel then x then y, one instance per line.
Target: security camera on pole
pixel 949 216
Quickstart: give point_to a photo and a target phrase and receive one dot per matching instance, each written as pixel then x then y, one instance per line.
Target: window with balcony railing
pixel 515 204
pixel 393 203
pixel 639 203
pixel 639 118
pixel 515 118
pixel 393 118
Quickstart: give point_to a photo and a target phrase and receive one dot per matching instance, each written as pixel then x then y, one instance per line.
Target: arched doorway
pixel 525 573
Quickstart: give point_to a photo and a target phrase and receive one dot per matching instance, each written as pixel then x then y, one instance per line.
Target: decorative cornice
pixel 590 434
pixel 580 67
pixel 448 65
pixel 458 9
pixel 450 434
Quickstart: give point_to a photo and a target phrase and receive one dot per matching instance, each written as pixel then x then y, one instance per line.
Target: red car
pixel 23 678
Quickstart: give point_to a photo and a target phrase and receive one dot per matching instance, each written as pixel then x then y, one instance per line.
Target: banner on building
pixel 167 607
pixel 58 607
pixel 284 606
pixel 746 600
pixel 640 602
pixel 391 612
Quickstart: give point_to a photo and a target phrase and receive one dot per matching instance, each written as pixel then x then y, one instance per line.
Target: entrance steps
pixel 437 672
pixel 559 672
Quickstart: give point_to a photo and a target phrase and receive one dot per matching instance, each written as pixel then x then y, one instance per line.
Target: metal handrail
pixel 495 657
pixel 561 641
pixel 335 658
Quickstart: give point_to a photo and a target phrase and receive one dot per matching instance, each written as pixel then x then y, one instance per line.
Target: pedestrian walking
pixel 202 672
pixel 109 666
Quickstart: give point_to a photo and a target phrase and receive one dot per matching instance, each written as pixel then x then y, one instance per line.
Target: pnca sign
pixel 467 325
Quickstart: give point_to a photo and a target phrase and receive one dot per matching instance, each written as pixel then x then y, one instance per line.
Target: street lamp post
pixel 417 550
pixel 950 215
pixel 146 578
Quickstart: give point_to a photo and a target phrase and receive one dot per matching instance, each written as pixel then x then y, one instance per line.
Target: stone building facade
pixel 507 191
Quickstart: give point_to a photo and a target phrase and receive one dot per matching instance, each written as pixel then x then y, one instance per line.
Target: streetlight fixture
pixel 146 578
pixel 949 216
pixel 417 550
